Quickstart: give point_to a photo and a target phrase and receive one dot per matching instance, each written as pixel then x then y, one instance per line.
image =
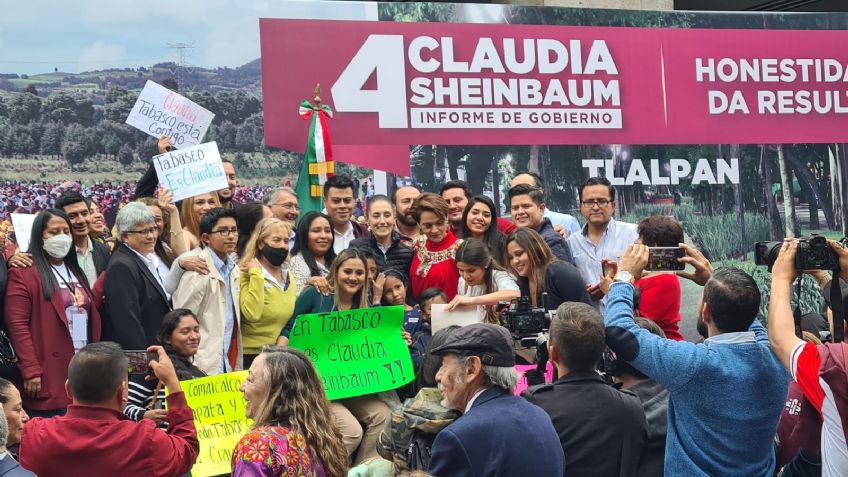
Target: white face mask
pixel 58 246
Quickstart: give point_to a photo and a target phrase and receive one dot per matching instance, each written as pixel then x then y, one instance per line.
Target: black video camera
pixel 814 253
pixel 524 320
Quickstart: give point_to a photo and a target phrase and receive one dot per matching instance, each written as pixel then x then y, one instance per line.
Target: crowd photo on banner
pixel 536 310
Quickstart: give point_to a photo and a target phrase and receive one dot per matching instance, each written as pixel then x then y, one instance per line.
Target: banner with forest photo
pixel 735 124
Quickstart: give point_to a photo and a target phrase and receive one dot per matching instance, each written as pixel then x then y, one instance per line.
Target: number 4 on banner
pixel 383 56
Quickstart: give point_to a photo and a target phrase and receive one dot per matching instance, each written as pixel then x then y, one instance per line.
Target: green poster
pixel 356 351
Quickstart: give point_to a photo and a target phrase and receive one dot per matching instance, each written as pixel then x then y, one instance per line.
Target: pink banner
pixel 398 84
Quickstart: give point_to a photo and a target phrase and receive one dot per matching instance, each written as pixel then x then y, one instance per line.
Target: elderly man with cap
pixel 499 434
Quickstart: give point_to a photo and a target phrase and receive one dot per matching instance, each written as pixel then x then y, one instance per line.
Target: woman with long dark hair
pixel 540 274
pixel 312 253
pixel 49 313
pixel 180 337
pixel 480 221
pixel 482 281
pixel 293 430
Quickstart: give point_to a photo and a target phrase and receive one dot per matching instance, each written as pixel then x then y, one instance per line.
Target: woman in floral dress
pixel 293 433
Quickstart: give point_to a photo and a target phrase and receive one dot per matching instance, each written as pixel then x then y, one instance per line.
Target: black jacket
pixel 398 256
pixel 101 254
pixel 602 430
pixel 135 303
pixel 558 245
pixel 563 283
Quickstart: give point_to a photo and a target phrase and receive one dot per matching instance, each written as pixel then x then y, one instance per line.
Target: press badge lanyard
pixel 76 314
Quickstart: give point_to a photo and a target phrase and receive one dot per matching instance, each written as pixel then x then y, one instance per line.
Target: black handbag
pixel 8 357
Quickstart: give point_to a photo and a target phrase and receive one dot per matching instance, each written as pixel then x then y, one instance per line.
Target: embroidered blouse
pixel 434 265
pixel 274 451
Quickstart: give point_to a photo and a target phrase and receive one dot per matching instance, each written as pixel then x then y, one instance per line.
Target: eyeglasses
pixel 225 232
pixel 287 206
pixel 150 231
pixel 594 202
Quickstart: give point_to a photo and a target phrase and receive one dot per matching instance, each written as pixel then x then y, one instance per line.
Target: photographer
pixel 820 372
pixel 725 394
pixel 602 430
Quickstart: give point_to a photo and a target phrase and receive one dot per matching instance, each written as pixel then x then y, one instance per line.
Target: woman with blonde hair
pixel 347 280
pixel 191 211
pixel 268 292
pixel 293 431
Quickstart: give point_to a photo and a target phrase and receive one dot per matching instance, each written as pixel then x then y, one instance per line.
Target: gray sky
pixel 38 35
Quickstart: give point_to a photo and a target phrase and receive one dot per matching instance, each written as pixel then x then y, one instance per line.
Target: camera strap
pixel 837 307
pixel 796 313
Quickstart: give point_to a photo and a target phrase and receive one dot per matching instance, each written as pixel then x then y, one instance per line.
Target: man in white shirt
pixel 339 202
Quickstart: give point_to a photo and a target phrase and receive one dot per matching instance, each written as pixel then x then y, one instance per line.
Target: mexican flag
pixel 318 158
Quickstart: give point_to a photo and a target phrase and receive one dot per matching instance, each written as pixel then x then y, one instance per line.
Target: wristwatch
pixel 623 276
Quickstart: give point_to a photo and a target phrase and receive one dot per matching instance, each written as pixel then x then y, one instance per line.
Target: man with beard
pixel 477 378
pixel 707 435
pixel 227 195
pixel 405 223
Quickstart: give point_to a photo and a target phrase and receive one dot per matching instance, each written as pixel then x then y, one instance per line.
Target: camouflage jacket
pixel 423 413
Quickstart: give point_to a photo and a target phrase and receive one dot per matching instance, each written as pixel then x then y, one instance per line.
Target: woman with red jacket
pixel 433 253
pixel 49 314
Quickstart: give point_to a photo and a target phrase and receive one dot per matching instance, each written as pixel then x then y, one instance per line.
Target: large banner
pixel 425 83
pixel 732 123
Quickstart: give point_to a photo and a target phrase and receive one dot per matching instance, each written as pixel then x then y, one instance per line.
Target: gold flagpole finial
pixel 317 98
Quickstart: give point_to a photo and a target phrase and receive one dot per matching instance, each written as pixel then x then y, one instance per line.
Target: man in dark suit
pixel 135 296
pixel 603 430
pixel 9 467
pixel 499 434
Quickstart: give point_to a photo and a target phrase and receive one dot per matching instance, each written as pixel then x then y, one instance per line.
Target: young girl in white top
pixel 482 282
